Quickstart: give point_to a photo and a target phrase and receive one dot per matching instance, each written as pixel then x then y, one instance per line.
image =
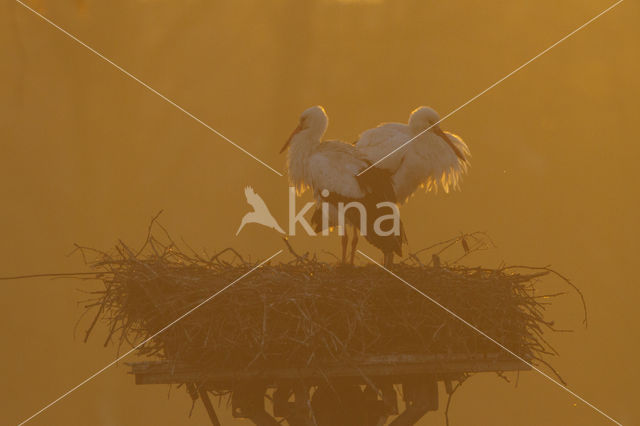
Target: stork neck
pixel 302 146
pixel 304 142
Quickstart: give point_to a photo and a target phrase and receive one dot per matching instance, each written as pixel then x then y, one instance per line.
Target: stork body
pixel 330 169
pixel 433 159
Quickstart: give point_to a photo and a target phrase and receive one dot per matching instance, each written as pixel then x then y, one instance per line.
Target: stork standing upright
pixel 333 166
pixel 433 159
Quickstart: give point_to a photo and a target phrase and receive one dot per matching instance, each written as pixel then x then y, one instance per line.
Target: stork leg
pixel 354 244
pixel 388 259
pixel 345 242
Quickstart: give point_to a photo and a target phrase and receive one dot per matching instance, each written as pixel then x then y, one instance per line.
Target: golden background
pixel 89 156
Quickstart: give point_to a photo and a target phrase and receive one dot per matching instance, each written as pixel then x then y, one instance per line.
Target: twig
pixel 565 279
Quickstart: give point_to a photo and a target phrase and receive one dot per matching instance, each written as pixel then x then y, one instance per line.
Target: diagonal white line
pixel 482 333
pixel 145 85
pixel 495 84
pixel 139 345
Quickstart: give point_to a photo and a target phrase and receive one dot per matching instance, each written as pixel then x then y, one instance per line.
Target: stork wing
pixel 334 166
pixel 380 141
pixel 432 164
pixel 461 145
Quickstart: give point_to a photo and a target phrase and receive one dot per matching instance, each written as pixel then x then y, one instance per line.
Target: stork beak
pixel 286 144
pixel 438 131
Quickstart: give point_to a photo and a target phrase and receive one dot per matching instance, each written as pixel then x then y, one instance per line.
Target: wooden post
pixel 421 396
pixel 247 401
pixel 204 396
pixel 301 414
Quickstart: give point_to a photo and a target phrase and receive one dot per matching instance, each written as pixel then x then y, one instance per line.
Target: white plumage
pixel 333 165
pixel 317 165
pixel 433 159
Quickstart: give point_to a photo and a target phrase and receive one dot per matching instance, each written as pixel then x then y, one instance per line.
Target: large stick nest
pixel 309 313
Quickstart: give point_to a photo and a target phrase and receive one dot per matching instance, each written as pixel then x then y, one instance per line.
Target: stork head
pixel 424 118
pixel 314 121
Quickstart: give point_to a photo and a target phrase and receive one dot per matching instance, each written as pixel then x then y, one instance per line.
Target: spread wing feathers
pixel 461 145
pixel 426 162
pixel 430 163
pixel 334 166
pixel 255 200
pixel 381 141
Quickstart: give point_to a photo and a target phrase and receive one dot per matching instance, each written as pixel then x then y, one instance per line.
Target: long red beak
pixel 438 131
pixel 286 144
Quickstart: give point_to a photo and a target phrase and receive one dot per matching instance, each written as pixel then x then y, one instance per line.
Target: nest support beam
pixel 337 404
pixel 247 401
pixel 297 412
pixel 362 396
pixel 204 396
pixel 420 397
pixel 346 405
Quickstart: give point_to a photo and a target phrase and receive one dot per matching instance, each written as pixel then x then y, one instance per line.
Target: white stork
pixel 333 166
pixel 433 159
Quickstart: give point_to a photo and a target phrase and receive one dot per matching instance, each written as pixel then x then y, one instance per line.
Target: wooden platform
pixel 167 372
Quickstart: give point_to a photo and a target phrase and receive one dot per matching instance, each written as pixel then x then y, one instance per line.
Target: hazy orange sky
pixel 89 156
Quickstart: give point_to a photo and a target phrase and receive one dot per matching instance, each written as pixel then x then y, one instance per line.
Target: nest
pixel 309 313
